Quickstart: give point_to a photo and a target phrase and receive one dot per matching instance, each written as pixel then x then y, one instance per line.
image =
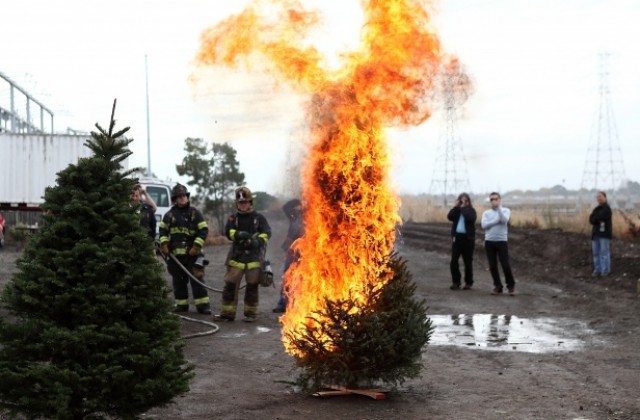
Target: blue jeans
pixel 601 255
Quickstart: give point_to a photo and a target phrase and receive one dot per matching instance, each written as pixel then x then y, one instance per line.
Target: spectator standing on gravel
pixel 601 228
pixel 495 222
pixel 463 236
pixel 293 210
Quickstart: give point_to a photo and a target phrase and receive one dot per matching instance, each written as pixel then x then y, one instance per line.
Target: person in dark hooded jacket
pixel 463 236
pixel 293 210
pixel 601 233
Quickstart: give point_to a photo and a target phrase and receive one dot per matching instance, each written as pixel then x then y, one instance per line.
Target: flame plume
pixel 351 210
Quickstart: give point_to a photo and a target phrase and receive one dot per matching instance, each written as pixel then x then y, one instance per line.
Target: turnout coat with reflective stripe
pixel 241 254
pixel 183 227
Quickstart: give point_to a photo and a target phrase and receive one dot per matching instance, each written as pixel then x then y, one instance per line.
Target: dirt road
pixel 565 347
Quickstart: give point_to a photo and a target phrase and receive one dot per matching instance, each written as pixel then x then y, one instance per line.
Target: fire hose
pixel 216 327
pixel 186 271
pixel 195 279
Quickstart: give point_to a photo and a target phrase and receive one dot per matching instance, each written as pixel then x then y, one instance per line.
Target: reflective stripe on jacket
pixel 241 255
pixel 183 227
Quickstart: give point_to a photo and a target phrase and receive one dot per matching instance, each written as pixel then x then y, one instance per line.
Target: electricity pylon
pixel 604 167
pixel 450 175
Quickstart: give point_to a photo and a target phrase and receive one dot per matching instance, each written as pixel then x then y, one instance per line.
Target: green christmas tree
pixel 89 333
pixel 360 347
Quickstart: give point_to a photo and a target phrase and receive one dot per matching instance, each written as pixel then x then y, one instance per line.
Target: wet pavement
pixel 510 333
pixel 486 332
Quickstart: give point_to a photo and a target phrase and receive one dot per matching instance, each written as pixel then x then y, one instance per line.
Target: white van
pixel 160 192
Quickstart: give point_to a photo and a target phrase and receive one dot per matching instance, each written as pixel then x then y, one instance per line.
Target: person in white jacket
pixel 495 222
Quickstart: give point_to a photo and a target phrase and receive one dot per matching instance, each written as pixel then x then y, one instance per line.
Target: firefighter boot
pixel 204 308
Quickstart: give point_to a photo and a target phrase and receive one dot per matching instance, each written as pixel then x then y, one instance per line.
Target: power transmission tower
pixel 604 168
pixel 450 175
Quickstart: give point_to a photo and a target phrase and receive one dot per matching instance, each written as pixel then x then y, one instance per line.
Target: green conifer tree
pixel 89 333
pixel 359 346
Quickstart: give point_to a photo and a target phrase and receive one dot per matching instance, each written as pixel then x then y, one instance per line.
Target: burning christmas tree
pixel 339 289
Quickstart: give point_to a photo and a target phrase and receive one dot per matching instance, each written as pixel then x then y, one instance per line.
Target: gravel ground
pixel 565 347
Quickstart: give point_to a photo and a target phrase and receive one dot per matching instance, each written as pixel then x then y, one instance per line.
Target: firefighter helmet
pixel 179 190
pixel 244 194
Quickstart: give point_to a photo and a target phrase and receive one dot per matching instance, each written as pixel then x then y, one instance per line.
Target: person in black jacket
pixel 183 232
pixel 463 235
pixel 601 228
pixel 293 210
pixel 146 210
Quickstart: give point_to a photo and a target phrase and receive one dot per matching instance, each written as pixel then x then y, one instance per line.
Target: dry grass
pixel 422 209
pixel 629 224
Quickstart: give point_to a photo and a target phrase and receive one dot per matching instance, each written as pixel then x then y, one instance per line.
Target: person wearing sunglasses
pixel 495 222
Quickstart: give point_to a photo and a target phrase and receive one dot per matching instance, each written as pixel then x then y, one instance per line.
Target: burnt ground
pixel 486 367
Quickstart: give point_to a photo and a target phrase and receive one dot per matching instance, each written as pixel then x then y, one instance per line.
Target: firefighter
pixel 250 233
pixel 183 231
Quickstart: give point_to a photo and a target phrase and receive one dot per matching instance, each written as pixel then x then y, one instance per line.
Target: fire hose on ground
pixel 183 268
pixel 216 327
pixel 268 282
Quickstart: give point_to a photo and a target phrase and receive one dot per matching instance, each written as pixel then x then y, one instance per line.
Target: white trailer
pixel 29 163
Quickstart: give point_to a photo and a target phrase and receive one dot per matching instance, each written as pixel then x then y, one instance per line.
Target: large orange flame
pixel 351 210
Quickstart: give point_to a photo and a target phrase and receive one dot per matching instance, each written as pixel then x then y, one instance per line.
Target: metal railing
pixel 18 115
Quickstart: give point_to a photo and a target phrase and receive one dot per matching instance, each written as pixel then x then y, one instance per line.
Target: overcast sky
pixel 534 65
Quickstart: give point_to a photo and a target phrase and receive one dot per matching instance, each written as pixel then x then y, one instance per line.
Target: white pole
pixel 146 78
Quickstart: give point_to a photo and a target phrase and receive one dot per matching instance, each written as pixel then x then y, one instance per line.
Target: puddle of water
pixel 508 333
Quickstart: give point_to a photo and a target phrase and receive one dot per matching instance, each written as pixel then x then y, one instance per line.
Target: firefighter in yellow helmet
pixel 183 232
pixel 250 232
